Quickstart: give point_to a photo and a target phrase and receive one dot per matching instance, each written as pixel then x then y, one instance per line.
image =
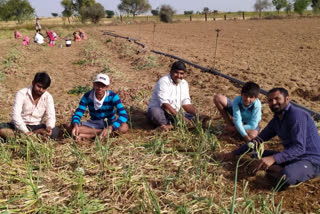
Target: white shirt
pixel 38 38
pixel 98 103
pixel 25 112
pixel 166 91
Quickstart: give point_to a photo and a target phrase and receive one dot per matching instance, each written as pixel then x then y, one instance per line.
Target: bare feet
pixel 165 128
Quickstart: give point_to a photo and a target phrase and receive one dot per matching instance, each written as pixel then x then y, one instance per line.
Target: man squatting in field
pixel 30 106
pixel 169 95
pixel 300 159
pixel 245 110
pixel 101 103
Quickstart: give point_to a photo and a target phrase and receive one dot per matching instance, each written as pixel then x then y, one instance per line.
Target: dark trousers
pixel 54 135
pixel 160 117
pixel 295 171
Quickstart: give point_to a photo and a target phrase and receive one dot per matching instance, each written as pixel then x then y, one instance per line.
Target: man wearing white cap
pixel 101 103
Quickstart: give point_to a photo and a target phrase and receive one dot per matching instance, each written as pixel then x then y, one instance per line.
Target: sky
pixel 44 8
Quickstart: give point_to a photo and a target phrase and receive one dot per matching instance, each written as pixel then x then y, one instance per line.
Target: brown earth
pixel 270 52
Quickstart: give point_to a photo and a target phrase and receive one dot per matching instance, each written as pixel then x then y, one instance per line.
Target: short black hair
pixel 43 78
pixel 282 91
pixel 251 89
pixel 178 65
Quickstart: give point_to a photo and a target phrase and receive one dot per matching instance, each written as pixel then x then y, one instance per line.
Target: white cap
pixel 103 78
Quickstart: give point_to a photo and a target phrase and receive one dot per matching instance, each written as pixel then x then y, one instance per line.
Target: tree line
pixel 20 10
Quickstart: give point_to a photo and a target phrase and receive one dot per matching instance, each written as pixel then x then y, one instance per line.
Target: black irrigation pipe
pixel 314 114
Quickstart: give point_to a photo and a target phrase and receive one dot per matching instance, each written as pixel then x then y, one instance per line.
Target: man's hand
pixel 247 138
pixel 105 132
pixel 265 163
pixel 49 130
pixel 75 130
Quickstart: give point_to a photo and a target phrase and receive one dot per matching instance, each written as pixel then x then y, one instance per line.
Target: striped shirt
pixel 107 110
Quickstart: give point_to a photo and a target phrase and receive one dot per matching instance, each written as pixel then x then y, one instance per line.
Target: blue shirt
pixel 106 110
pixel 298 134
pixel 246 118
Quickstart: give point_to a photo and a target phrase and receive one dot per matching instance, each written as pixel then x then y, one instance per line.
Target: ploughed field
pixel 143 170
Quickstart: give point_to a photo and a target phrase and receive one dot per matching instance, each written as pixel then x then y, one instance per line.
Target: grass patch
pixel 79 90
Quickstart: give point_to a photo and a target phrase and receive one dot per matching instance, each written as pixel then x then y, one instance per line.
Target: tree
pixel 279 4
pixel 110 13
pixel 76 7
pixel 134 7
pixel 261 5
pixel 166 13
pixel 155 12
pixel 300 6
pixel 54 14
pixel 288 8
pixel 205 10
pixel 94 13
pixel 188 12
pixel 68 9
pixel 19 10
pixel 316 7
pixel 315 3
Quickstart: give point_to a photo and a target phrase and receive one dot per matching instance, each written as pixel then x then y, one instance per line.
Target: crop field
pixel 144 170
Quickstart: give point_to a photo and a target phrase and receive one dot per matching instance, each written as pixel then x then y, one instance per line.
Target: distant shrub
pixel 188 12
pixel 166 13
pixel 155 12
pixel 110 13
pixel 54 14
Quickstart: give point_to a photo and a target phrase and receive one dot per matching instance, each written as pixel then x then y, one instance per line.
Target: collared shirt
pixel 298 134
pixel 107 110
pixel 26 112
pixel 166 91
pixel 246 118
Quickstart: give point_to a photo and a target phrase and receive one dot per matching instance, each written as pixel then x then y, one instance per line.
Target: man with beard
pixel 30 106
pixel 300 159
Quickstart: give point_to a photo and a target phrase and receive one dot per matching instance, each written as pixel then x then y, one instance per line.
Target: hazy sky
pixel 46 7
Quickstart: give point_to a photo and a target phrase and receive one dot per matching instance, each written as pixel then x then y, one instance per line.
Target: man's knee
pixel 157 116
pixel 295 173
pixel 6 132
pixel 220 101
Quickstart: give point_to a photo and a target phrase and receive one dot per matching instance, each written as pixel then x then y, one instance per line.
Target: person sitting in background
pixel 300 159
pixel 245 110
pixel 52 40
pixel 82 34
pixel 76 37
pixel 17 35
pixel 171 93
pixel 101 103
pixel 30 106
pixel 55 35
pixel 26 41
pixel 38 38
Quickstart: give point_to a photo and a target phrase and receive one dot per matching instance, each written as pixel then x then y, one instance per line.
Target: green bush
pixel 166 13
pixel 110 13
